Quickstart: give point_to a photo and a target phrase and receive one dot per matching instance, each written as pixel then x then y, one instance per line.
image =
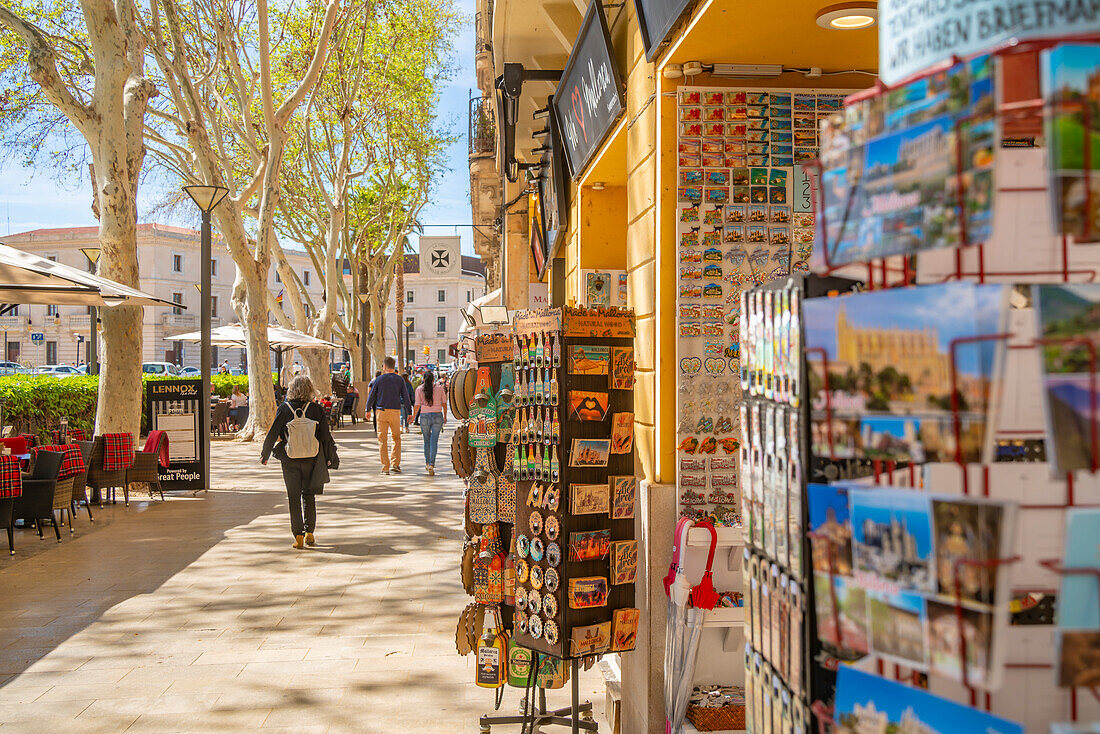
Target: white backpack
pixel 301 436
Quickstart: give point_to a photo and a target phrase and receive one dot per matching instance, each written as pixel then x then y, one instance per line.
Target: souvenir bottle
pixel 521 427
pixel 537 438
pixel 540 350
pixel 521 463
pixel 516 360
pixel 489 568
pixel 538 388
pixel 519 665
pixel 556 350
pixel 553 388
pixel 530 351
pixel 515 461
pixel 555 468
pixel 546 392
pixel 510 575
pixel 548 427
pixel 555 428
pixel 547 472
pixel 491 663
pixel 532 463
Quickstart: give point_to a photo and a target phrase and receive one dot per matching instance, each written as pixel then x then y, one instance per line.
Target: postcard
pixel 842 629
pixel 590 639
pixel 624 495
pixel 589 499
pixel 624 624
pixel 1078 658
pixel 830 529
pixel 944 650
pixel 622 433
pixel 598 289
pixel 1071 176
pixel 588 592
pixel 1077 599
pixel 586 405
pixel 866 702
pixel 899 627
pixel 589 545
pixel 969 530
pixel 624 561
pixel 892 539
pixel 1068 312
pixel 589 360
pixel 889 361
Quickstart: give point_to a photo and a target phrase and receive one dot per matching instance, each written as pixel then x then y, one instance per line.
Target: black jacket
pixel 326 458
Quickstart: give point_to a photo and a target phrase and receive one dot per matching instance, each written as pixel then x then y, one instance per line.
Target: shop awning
pixel 27 278
pixel 279 338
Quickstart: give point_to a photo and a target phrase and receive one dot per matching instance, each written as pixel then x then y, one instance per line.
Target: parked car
pixel 57 370
pixel 159 368
pixel 335 367
pixel 190 372
pixel 237 372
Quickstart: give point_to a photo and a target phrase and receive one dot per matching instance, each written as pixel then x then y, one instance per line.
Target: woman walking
pixel 431 406
pixel 306 452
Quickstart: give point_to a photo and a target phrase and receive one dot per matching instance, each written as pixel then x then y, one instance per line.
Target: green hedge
pixel 36 403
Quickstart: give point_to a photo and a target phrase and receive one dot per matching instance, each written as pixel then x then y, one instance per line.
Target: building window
pixel 213 307
pixel 440 356
pixel 51 352
pixel 441 295
pixel 441 323
pixel 277 278
pixel 51 310
pixel 213 268
pixel 177 298
pixel 52 258
pixel 469 296
pixel 12 354
pixel 177 263
pixel 408 296
pixel 410 323
pixel 14 311
pixel 305 307
pixel 305 277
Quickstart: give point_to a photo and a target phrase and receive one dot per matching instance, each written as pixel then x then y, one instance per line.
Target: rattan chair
pixel 80 483
pixel 144 470
pixel 7 520
pixel 100 479
pixel 219 420
pixel 335 412
pixel 39 490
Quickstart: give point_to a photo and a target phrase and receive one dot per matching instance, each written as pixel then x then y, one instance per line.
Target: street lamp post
pixel 92 352
pixel 207 198
pixel 405 347
pixel 364 320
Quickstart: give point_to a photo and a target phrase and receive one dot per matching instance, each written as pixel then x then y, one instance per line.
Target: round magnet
pixel 552 580
pixel 521 622
pixel 550 632
pixel 521 599
pixel 553 528
pixel 521 545
pixel 536 577
pixel 522 570
pixel 534 627
pixel 549 605
pixel 536 549
pixel 553 554
pixel 534 602
pixel 535 522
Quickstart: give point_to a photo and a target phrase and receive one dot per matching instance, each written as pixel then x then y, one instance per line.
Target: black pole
pixel 364 325
pixel 204 366
pixel 93 341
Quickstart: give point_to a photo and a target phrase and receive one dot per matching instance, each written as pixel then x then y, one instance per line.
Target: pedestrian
pixel 237 401
pixel 431 407
pixel 304 475
pixel 388 396
pixel 406 415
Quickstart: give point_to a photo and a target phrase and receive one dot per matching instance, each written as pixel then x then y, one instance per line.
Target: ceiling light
pixel 748 71
pixel 848 16
pixel 673 71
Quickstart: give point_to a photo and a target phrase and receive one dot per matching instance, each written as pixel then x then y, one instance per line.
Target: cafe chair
pixel 80 483
pixel 144 470
pixel 39 488
pixel 219 421
pixel 100 479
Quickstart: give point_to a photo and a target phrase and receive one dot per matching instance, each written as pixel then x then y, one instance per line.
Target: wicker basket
pixel 717 719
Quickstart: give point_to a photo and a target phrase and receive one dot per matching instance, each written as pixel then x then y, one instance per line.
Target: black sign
pixel 589 98
pixel 657 18
pixel 179 408
pixel 554 192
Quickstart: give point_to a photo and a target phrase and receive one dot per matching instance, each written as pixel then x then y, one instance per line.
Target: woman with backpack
pixel 431 407
pixel 306 450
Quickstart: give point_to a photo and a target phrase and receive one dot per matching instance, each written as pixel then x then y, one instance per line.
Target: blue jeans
pixel 431 425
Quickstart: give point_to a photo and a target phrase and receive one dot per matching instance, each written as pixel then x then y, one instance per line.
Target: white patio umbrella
pixel 27 278
pixel 279 339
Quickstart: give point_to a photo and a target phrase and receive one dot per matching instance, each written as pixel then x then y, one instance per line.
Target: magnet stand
pixel 578 715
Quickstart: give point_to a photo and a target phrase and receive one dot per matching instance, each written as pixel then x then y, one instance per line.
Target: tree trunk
pixel 377 338
pixel 251 288
pixel 399 288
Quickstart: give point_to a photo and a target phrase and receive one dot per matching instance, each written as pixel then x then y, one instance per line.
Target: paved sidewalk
pixel 196 614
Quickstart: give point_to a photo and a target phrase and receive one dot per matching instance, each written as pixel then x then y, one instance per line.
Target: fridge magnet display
pixel 1068 312
pixel 624 495
pixel 622 368
pixel 590 639
pixel 585 405
pixel 589 360
pixel 622 433
pixel 866 702
pixel 552 579
pixel 598 289
pixel 589 499
pixel 902 336
pixel 624 629
pixel 589 452
pixel 624 561
pixel 589 545
pixel 588 592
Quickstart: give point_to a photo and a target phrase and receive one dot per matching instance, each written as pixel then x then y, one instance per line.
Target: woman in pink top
pixel 431 405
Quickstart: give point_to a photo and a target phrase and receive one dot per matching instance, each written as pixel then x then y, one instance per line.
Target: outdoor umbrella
pixel 279 339
pixel 27 278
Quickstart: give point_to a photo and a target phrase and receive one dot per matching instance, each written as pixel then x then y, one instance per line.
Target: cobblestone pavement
pixel 196 615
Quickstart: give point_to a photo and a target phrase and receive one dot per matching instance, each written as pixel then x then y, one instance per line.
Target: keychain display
pixel 481 493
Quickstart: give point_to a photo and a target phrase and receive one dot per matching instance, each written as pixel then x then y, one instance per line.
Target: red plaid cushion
pixel 72 463
pixel 75 434
pixel 118 451
pixel 11 479
pixel 30 438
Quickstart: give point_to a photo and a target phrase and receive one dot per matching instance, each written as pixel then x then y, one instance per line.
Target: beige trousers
pixel 389 422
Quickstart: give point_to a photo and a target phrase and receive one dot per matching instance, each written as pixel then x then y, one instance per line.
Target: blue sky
pixel 855 686
pixel 32 199
pixel 881 504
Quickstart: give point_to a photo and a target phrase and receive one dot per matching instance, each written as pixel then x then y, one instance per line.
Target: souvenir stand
pixel 892 427
pixel 564 497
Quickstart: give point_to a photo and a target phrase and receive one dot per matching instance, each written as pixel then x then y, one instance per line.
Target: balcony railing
pixel 483 127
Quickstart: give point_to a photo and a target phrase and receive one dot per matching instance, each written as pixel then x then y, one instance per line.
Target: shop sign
pixel 544 319
pixel 554 193
pixel 607 323
pixel 493 348
pixel 916 34
pixel 536 235
pixel 589 99
pixel 179 408
pixel 657 18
